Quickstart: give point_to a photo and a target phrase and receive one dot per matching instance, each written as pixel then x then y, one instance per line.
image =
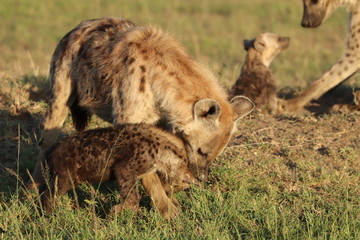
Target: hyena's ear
pixel 248 44
pixel 206 109
pixel 259 44
pixel 242 106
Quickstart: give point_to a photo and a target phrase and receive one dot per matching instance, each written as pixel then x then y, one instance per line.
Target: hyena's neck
pixel 253 59
pixel 351 5
pixel 355 17
pixel 353 38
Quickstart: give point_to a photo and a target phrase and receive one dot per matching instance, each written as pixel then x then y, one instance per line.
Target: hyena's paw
pixel 169 211
pixel 289 106
pixel 175 202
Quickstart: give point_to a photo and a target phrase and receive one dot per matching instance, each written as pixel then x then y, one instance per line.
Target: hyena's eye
pixel 314 2
pixel 205 155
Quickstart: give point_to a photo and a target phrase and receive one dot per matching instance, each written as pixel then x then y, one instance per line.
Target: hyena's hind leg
pixel 80 116
pixel 126 177
pixel 55 116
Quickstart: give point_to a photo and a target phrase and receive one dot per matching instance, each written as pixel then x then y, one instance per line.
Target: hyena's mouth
pixel 192 181
pixel 310 24
pixel 199 173
pixel 312 19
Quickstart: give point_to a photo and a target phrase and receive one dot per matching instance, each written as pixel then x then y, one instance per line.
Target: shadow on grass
pixel 40 88
pixel 102 197
pixel 19 135
pixel 22 107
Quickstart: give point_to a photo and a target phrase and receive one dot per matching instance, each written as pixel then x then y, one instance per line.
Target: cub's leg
pixel 161 201
pixel 127 180
pixel 55 188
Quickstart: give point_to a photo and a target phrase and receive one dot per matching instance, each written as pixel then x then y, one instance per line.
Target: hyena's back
pixel 91 36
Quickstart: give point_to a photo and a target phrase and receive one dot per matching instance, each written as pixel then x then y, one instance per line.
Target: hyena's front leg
pixel 161 201
pixel 56 114
pixel 343 69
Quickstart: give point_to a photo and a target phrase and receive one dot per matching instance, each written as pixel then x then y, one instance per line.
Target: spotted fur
pixel 127 153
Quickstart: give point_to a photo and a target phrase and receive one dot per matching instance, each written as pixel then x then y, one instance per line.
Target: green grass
pixel 282 177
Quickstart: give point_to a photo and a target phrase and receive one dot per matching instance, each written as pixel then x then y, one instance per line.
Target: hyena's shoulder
pixel 159 51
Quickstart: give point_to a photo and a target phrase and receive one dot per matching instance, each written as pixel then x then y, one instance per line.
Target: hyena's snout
pixel 200 172
pixel 310 22
pixel 312 16
pixel 190 179
pixel 284 42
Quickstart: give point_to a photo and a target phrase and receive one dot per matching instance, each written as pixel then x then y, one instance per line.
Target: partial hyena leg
pixel 169 188
pixel 273 103
pixel 53 189
pixel 54 119
pixel 161 201
pixel 337 74
pixel 129 192
pixel 46 196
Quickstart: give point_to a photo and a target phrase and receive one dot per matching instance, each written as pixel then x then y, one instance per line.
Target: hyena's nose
pixel 284 39
pixel 202 177
pixel 196 182
pixel 305 23
pixel 310 22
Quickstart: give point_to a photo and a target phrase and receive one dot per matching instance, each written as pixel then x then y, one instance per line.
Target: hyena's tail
pixel 80 116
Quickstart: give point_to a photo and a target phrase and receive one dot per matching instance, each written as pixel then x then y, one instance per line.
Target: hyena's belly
pixel 104 112
pixel 95 99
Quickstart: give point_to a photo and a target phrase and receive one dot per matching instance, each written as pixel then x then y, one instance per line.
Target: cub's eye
pixel 205 155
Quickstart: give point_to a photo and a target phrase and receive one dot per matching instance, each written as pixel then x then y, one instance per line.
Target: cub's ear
pixel 248 43
pixel 207 109
pixel 242 106
pixel 259 44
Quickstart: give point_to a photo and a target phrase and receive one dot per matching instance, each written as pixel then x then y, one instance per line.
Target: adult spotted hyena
pixel 129 74
pixel 127 153
pixel 315 12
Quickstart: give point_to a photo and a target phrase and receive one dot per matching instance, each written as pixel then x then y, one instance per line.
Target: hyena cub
pixel 127 153
pixel 256 80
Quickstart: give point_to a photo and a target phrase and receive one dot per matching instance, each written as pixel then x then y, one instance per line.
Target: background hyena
pixel 126 153
pixel 256 80
pixel 129 74
pixel 315 12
